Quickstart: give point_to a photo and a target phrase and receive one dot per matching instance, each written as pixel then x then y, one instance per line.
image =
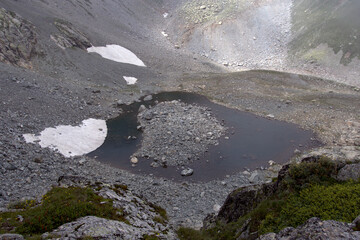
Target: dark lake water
pixel 253 141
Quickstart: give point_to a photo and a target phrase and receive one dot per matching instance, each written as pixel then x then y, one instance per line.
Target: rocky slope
pixel 294 36
pixel 59 83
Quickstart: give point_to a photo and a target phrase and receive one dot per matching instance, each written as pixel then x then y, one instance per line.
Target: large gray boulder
pixel 350 171
pixel 97 228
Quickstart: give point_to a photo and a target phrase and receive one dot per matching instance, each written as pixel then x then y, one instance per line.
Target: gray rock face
pixel 350 171
pixel 313 229
pixel 11 237
pixel 177 133
pixel 98 228
pixel 69 36
pixel 18 39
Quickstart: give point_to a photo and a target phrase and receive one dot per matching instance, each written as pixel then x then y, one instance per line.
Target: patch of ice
pixel 72 140
pixel 118 54
pixel 130 80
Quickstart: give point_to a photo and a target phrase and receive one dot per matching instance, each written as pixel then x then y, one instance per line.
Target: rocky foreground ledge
pixel 306 192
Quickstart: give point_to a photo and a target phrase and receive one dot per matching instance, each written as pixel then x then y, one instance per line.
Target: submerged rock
pixel 187 172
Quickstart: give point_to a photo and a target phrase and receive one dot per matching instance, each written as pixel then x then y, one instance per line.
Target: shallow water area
pixel 250 142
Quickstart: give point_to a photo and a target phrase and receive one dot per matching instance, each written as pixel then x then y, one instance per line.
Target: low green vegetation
pixel 58 206
pixel 159 210
pixel 308 190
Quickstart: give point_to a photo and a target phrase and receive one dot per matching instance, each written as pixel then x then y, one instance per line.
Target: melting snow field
pixel 72 140
pixel 118 54
pixel 130 80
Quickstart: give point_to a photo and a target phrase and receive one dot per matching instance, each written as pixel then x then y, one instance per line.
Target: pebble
pixel 187 172
pixel 134 160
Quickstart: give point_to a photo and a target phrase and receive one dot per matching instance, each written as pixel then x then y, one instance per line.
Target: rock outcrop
pixel 141 218
pixel 317 229
pixel 242 201
pixel 18 39
pixel 96 228
pixel 69 36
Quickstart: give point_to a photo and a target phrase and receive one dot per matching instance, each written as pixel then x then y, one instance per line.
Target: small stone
pixel 202 7
pixel 216 207
pixel 187 172
pixel 82 161
pixel 142 108
pixel 28 180
pixel 270 116
pixel 254 177
pixel 271 162
pixel 120 102
pixel 154 164
pixel 134 160
pixel 202 194
pixel 297 151
pixel 148 98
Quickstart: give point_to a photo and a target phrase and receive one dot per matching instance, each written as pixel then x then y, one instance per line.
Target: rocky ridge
pixel 18 39
pixel 176 134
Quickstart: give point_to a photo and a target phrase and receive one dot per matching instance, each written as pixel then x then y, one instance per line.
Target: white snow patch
pixel 72 140
pixel 118 54
pixel 130 80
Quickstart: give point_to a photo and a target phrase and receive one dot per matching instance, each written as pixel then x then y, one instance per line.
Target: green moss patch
pixel 58 206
